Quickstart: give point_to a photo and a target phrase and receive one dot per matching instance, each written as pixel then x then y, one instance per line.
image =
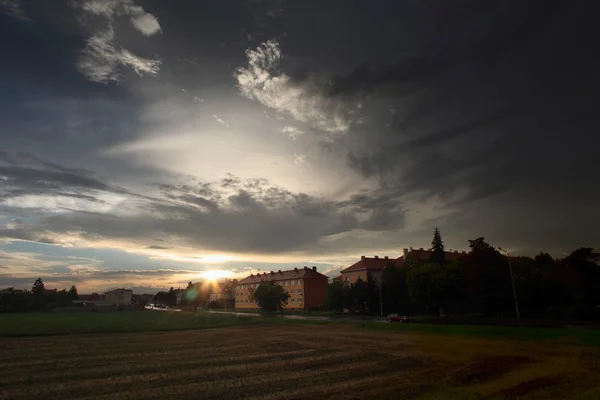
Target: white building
pixel 120 297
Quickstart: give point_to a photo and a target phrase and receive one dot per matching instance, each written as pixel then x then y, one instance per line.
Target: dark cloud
pixel 26 174
pixel 478 109
pixel 155 247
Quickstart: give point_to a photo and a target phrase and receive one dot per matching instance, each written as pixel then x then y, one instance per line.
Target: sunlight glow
pixel 216 274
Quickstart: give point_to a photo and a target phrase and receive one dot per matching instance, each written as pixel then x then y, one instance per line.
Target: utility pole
pixel 512 281
pixel 380 296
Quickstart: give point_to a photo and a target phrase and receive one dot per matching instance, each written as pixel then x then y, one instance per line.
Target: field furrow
pixel 291 361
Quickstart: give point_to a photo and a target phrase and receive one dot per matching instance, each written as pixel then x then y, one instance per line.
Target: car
pixel 404 319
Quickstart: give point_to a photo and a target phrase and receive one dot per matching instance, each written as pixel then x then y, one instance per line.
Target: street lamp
pixel 512 281
pixel 380 285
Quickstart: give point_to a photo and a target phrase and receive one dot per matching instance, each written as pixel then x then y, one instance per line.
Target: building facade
pixel 306 286
pixel 120 297
pixel 368 268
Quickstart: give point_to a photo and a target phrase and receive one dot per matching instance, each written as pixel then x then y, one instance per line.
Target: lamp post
pixel 512 280
pixel 380 297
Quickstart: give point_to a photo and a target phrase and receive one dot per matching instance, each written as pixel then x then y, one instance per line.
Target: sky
pixel 144 143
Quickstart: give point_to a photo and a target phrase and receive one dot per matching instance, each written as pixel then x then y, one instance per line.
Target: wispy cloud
pixel 305 101
pixel 13 9
pixel 300 159
pixel 219 120
pixel 102 59
pixel 292 131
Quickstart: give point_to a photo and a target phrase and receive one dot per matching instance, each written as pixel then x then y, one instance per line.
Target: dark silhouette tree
pixel 38 287
pixel 581 274
pixel 358 295
pixel 437 247
pixel 73 293
pixel 435 286
pixel 489 283
pixel 393 289
pixel 338 295
pixel 270 297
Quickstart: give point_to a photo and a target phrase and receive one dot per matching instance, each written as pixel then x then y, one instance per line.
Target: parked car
pixel 404 319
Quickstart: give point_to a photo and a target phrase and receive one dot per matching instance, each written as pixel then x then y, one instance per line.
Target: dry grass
pixel 293 361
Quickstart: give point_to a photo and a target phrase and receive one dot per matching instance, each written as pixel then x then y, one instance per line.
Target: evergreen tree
pixel 38 287
pixel 73 293
pixel 437 256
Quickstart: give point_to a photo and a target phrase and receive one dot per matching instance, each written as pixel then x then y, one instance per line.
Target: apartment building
pixel 424 255
pixel 306 286
pixel 366 268
pixel 371 267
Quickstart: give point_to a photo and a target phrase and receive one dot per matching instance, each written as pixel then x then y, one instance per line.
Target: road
pixel 304 317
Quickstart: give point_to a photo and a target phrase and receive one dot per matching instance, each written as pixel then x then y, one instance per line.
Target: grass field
pixel 296 360
pixel 34 324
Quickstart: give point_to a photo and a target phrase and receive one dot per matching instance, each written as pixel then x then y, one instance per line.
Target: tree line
pixel 36 299
pixel 484 282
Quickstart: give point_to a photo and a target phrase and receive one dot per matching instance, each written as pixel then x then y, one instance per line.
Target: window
pixel 299 291
pixel 299 281
pixel 293 282
pixel 299 300
pixel 285 283
pixel 293 300
pixel 292 291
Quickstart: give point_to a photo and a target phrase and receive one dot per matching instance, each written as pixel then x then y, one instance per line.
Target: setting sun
pixel 215 274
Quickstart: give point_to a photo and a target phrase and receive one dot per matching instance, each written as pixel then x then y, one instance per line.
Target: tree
pixel 73 293
pixel 338 295
pixel 435 286
pixel 270 296
pixel 489 283
pixel 358 295
pixel 437 255
pixel 581 274
pixel 393 289
pixel 38 287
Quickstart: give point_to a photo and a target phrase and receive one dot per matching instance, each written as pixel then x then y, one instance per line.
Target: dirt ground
pixel 302 361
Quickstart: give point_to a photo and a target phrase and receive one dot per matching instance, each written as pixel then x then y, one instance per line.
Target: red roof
pixel 425 255
pixel 369 264
pixel 296 273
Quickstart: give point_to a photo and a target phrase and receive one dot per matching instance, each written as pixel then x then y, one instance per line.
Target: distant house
pixel 179 295
pixel 91 297
pixel 120 297
pixel 142 299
